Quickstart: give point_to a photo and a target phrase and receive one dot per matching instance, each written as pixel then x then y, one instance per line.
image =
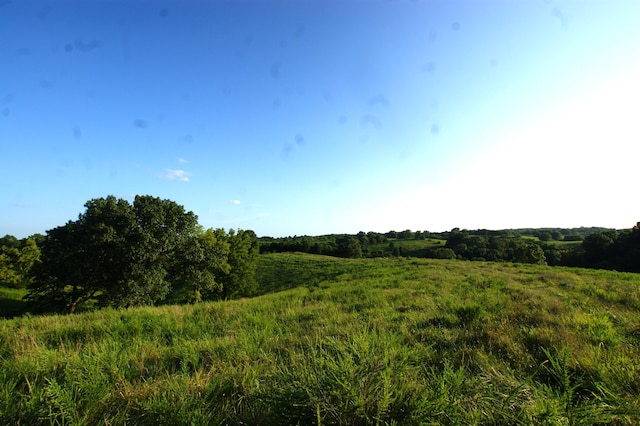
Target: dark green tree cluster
pixel 123 254
pixel 325 245
pixel 353 246
pixel 618 250
pixel 408 234
pixel 594 246
pixel 558 234
pixel 242 259
pixel 350 247
pixel 600 247
pixel 495 248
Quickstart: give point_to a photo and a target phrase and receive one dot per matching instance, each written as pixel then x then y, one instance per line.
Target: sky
pixel 307 117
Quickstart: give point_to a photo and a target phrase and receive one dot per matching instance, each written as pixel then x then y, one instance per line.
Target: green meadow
pixel 343 342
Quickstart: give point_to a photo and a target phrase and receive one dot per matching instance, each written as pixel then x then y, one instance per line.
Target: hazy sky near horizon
pixel 316 117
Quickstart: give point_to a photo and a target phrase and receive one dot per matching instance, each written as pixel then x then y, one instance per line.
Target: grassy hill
pixel 344 341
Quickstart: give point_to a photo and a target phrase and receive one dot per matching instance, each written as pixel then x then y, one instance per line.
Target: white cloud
pixel 173 174
pixel 235 202
pixel 182 160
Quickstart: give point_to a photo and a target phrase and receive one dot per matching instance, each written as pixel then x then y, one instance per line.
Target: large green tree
pixel 201 266
pixel 161 230
pixel 116 253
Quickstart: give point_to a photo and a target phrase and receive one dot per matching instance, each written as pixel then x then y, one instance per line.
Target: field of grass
pixel 344 341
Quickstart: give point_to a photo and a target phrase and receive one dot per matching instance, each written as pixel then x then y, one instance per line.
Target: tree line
pixel 152 251
pixel 592 247
pixel 122 254
pixel 618 250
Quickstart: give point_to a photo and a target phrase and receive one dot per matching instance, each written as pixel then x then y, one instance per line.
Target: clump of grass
pixel 365 379
pixel 469 315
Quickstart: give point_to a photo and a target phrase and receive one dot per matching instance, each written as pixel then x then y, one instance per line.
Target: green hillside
pixel 344 341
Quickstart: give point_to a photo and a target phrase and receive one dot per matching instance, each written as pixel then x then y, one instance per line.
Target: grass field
pixel 341 341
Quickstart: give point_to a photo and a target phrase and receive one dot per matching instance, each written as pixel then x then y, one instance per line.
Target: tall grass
pixel 339 341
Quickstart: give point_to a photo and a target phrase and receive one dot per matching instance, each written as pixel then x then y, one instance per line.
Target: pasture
pixel 344 341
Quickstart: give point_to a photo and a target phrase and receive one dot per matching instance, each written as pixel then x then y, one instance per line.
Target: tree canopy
pixel 124 254
pixel 16 259
pixel 614 250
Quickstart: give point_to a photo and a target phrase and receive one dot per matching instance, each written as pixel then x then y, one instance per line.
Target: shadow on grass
pixel 286 271
pixel 10 308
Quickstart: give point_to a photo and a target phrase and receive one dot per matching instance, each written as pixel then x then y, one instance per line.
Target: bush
pixel 442 253
pixel 545 236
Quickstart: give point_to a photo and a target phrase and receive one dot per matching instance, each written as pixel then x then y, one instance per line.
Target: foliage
pixel 349 247
pixel 442 253
pixel 351 341
pixel 545 236
pixel 553 246
pixel 613 250
pixel 370 244
pixel 115 252
pixel 199 266
pixel 243 256
pixel 495 248
pixel 17 257
pixel 119 254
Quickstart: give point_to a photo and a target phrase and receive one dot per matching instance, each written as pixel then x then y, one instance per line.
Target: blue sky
pixel 315 117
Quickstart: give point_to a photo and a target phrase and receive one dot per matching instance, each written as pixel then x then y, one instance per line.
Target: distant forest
pixel 593 247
